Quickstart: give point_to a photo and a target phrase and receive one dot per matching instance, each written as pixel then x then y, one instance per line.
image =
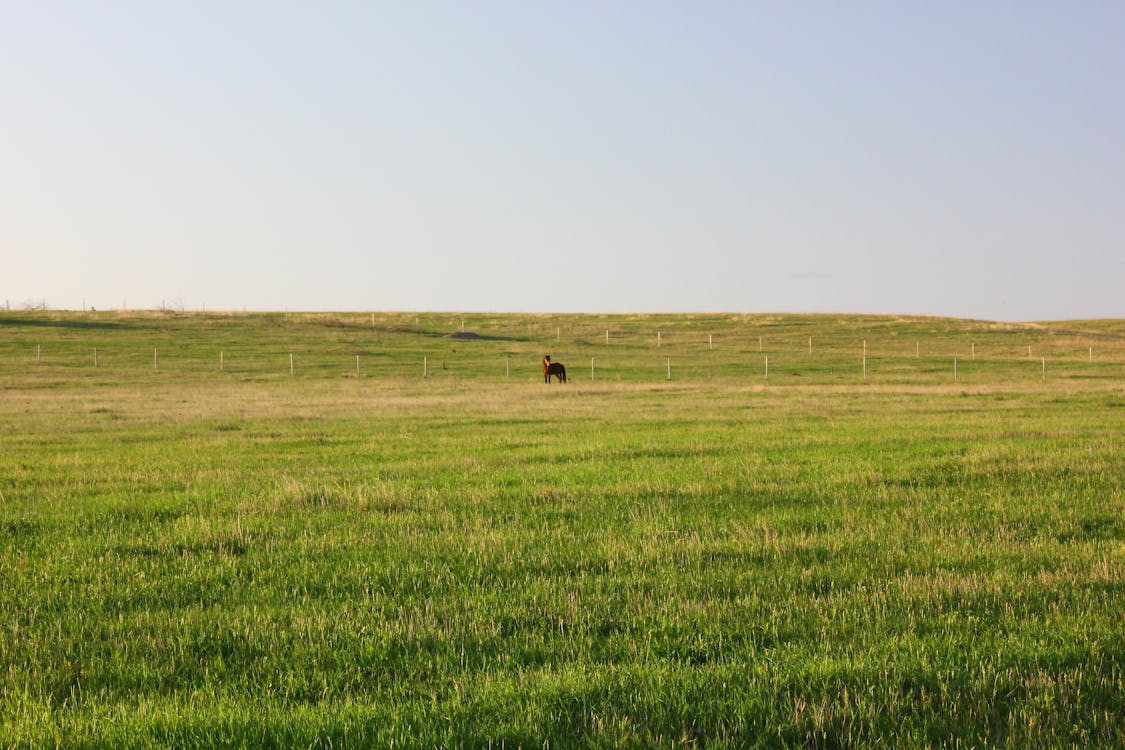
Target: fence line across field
pixel 696 338
pixel 101 352
pixel 628 361
pixel 1086 355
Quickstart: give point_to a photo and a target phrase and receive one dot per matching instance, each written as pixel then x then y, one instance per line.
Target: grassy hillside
pixel 801 349
pixel 249 557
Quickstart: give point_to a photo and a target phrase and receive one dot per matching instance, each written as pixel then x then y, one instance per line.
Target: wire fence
pixel 583 363
pixel 770 349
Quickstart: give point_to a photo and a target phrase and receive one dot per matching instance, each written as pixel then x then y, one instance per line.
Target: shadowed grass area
pixel 257 559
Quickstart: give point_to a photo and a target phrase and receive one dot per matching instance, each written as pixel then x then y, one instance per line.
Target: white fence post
pixel 669 368
pixel 220 361
pixel 425 367
pixel 1044 369
pixel 767 368
pixel 591 368
pixel 154 359
pixel 290 363
pixel 954 369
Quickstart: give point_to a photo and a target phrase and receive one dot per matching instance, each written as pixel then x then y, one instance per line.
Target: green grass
pixel 251 558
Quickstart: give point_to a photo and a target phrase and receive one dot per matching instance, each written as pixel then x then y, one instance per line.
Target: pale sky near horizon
pixel 948 158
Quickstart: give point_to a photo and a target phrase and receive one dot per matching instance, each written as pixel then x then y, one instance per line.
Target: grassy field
pixel 330 557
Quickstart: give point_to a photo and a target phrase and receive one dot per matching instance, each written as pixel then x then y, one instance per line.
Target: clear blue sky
pixel 951 158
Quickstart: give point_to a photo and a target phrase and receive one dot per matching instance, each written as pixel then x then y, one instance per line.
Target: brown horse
pixel 553 368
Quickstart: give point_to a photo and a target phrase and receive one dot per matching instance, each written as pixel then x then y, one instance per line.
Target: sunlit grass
pixel 251 558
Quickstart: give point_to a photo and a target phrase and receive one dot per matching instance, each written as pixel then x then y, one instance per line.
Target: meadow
pixel 352 530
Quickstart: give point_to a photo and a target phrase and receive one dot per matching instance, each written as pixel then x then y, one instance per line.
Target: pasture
pixel 350 530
